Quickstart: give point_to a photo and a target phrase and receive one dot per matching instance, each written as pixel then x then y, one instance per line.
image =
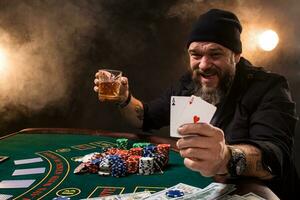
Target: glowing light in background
pixel 3 60
pixel 268 40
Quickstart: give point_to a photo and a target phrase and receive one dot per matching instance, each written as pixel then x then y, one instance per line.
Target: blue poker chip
pixel 174 193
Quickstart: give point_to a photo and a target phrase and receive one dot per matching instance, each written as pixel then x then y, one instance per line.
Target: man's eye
pixel 216 55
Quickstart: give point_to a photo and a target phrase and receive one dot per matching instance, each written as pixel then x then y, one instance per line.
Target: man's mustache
pixel 206 73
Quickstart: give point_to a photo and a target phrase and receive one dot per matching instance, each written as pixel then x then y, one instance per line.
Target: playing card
pixel 196 110
pixel 28 161
pixel 3 158
pixel 39 170
pixel 16 183
pixel 177 105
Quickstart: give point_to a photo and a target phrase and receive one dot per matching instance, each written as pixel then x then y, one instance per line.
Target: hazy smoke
pixel 50 43
pixel 255 16
pixel 39 40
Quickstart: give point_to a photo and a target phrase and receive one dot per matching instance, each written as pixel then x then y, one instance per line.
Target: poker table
pixel 58 149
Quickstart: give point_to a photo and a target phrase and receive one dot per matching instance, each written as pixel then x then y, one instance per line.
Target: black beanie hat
pixel 219 26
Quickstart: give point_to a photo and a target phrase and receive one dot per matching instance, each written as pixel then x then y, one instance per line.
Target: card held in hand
pixel 187 110
pixel 177 105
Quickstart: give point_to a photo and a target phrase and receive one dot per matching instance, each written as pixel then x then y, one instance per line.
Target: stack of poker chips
pixel 146 166
pixel 122 143
pixel 133 164
pixel 117 166
pixel 142 158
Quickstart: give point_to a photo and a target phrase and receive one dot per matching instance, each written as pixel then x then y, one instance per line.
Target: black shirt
pixel 258 110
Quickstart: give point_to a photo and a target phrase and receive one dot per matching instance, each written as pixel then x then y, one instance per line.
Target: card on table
pixel 186 110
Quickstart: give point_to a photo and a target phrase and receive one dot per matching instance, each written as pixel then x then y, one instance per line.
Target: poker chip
pixel 85 158
pixel 111 151
pixel 136 151
pixel 96 161
pixel 124 154
pixel 146 166
pixel 160 161
pixel 93 169
pixel 61 198
pixel 118 166
pixel 164 149
pixel 140 144
pixel 103 173
pixel 143 158
pixel 104 167
pixel 149 151
pixel 82 168
pixel 174 193
pixel 133 164
pixel 122 143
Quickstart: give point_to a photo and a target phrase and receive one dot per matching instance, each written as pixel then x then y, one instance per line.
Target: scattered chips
pixel 81 169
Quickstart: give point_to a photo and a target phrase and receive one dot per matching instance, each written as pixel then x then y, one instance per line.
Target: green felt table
pixel 58 148
pixel 58 152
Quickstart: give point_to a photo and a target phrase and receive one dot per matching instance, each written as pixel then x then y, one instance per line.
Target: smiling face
pixel 213 69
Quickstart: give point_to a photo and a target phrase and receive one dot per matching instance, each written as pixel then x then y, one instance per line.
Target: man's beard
pixel 210 94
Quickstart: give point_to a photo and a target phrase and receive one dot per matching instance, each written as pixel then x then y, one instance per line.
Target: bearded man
pixel 251 133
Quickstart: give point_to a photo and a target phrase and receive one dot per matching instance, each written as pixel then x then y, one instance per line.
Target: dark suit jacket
pixel 258 110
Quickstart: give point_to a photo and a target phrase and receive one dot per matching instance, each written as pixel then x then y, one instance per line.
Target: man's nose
pixel 205 63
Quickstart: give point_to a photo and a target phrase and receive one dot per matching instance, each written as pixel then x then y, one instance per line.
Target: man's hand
pixel 124 89
pixel 203 148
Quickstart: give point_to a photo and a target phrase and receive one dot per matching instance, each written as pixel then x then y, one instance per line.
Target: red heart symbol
pixel 196 119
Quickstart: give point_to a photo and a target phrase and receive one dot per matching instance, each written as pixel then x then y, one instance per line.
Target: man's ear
pixel 237 58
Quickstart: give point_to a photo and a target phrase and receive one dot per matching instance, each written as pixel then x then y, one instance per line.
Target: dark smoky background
pixel 53 49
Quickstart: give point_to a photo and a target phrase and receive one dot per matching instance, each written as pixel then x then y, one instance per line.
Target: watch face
pixel 240 167
pixel 237 163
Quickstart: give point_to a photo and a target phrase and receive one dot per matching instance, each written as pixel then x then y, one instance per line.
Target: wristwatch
pixel 237 163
